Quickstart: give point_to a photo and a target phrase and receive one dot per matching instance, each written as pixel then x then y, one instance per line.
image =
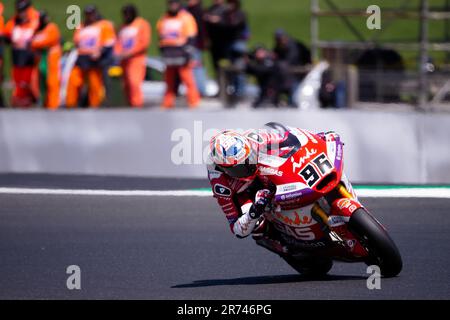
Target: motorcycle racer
pixel 241 190
pixel 286 187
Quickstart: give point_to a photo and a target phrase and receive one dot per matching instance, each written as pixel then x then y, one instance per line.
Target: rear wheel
pixel 311 267
pixel 381 248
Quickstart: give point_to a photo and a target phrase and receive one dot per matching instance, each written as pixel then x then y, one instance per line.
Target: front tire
pixel 381 248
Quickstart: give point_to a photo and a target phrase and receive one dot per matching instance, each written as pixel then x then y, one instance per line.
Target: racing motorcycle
pixel 315 217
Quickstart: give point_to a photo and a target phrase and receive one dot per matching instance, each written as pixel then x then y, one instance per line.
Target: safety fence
pixel 380 147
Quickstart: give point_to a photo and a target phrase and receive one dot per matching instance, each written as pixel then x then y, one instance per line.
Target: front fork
pixel 334 213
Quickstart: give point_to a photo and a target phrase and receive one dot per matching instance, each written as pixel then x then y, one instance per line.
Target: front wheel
pixel 381 248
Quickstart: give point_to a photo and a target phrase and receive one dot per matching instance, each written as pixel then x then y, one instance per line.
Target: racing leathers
pixel 243 201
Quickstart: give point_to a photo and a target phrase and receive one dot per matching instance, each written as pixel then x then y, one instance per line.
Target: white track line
pixel 117 193
pixel 405 193
pixel 428 192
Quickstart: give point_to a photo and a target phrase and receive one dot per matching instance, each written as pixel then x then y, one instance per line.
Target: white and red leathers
pixel 236 196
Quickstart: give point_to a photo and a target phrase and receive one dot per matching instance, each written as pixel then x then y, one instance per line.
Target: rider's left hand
pixel 262 199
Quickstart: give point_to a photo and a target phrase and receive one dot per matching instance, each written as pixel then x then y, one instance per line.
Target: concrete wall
pixel 379 147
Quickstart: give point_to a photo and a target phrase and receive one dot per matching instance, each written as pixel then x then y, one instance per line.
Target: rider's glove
pixel 262 199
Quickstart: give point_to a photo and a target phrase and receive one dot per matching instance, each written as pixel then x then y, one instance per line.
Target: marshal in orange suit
pixel 177 30
pixel 91 40
pixel 131 49
pixel 19 30
pixel 46 43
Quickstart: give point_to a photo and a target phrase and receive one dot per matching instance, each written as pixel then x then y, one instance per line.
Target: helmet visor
pixel 240 171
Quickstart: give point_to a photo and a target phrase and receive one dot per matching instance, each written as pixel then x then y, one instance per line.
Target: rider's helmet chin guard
pixel 233 154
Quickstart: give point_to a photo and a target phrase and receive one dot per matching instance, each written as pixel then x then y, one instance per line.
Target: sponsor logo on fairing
pixel 311 244
pixel 347 204
pixel 303 244
pixel 304 233
pixel 302 160
pixel 291 196
pixel 339 152
pixel 288 187
pixel 270 171
pixel 295 220
pixel 336 221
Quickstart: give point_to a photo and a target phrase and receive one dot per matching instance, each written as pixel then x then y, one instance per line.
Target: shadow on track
pixel 265 280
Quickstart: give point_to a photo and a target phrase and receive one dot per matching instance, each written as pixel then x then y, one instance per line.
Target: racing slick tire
pixel 382 250
pixel 311 267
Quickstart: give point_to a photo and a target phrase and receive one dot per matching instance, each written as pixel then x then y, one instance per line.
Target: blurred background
pixel 406 61
pixel 385 66
pixel 102 126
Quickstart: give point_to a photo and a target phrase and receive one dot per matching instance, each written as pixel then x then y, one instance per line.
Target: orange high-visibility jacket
pixel 91 39
pixel 135 38
pixel 191 24
pixel 2 20
pixel 24 32
pixel 88 40
pixel 49 39
pixel 109 34
pixel 176 31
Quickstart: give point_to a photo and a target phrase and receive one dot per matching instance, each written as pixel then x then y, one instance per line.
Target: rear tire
pixel 311 267
pixel 382 250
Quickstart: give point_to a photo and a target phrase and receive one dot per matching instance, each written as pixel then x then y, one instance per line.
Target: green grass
pixel 265 16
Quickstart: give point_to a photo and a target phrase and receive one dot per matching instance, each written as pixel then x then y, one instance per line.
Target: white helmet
pixel 233 154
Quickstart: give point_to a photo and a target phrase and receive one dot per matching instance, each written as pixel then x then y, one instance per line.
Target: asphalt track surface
pixel 181 248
